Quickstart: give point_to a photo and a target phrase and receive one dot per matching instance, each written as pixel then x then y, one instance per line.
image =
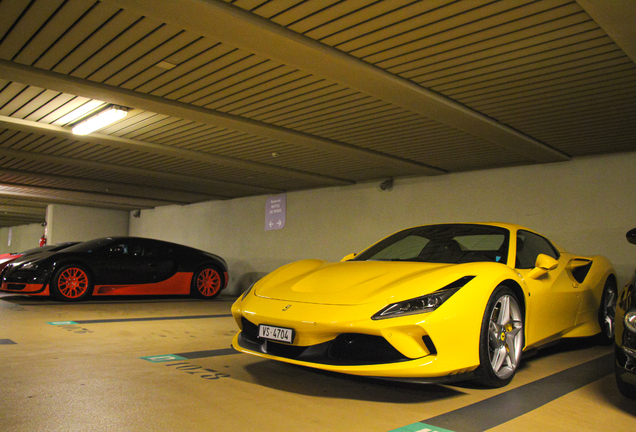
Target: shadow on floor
pixel 314 382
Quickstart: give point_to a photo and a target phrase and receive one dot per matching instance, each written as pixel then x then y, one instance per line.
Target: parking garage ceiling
pixel 229 99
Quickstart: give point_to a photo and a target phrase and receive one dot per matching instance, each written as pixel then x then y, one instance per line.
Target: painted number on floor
pixel 207 374
pixel 72 327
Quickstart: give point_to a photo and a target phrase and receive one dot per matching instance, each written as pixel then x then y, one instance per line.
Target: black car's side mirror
pixel 117 250
pixel 631 236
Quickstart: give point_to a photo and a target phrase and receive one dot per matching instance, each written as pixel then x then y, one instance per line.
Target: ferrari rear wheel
pixel 501 340
pixel 607 313
pixel 207 282
pixel 71 282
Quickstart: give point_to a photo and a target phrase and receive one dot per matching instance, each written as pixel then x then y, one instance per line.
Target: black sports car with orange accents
pixel 117 266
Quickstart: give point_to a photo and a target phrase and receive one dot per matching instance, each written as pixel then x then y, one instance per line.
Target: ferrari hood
pixel 352 282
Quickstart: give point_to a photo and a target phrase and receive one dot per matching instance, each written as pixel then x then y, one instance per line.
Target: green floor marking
pixel 162 358
pixel 420 427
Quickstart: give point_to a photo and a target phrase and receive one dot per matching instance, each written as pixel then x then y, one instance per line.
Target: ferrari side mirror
pixel 543 265
pixel 349 257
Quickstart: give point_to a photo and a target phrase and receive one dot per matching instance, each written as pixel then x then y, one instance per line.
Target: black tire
pixel 607 313
pixel 627 390
pixel 207 282
pixel 501 339
pixel 72 283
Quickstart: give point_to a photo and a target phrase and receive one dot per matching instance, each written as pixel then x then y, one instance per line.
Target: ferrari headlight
pixel 630 321
pixel 423 304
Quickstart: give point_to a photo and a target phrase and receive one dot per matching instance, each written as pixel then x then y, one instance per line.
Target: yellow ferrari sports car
pixel 433 303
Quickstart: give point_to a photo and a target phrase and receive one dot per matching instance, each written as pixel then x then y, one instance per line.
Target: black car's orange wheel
pixel 207 282
pixel 71 283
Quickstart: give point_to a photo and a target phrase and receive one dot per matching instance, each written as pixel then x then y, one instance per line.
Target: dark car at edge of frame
pixel 625 366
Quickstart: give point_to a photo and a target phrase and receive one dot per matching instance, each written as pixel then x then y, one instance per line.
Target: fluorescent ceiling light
pixel 100 120
pixel 80 112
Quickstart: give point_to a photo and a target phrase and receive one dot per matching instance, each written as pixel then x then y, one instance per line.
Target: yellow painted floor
pixel 92 377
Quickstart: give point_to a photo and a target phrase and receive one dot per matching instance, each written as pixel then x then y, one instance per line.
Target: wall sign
pixel 275 211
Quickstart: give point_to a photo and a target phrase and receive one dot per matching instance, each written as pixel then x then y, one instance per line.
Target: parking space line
pixel 190 355
pixel 173 318
pixel 507 406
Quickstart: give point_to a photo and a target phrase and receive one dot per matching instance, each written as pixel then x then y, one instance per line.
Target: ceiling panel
pixel 283 95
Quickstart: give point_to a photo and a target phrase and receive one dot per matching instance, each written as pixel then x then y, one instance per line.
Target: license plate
pixel 279 334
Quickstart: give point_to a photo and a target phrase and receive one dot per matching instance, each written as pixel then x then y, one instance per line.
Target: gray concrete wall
pixel 23 237
pixel 73 223
pixel 585 205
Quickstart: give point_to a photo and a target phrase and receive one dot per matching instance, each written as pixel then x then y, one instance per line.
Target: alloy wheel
pixel 208 282
pixel 72 282
pixel 505 339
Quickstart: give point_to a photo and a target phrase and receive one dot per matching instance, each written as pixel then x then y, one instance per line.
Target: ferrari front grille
pixel 250 331
pixel 346 349
pixel 362 348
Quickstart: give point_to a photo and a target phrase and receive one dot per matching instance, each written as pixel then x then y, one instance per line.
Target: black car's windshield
pixel 449 243
pixel 89 246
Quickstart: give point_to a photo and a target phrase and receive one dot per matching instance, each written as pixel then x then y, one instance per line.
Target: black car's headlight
pixel 33 265
pixel 630 320
pixel 423 304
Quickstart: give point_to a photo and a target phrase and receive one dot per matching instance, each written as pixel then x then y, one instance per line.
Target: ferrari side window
pixel 529 246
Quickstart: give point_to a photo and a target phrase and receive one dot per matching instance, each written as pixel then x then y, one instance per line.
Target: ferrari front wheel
pixel 71 283
pixel 501 339
pixel 207 282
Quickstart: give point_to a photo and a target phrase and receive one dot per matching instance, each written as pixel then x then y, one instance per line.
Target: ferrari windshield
pixel 450 243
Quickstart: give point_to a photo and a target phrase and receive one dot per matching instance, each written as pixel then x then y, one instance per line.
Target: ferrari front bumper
pixel 423 370
pixel 429 347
